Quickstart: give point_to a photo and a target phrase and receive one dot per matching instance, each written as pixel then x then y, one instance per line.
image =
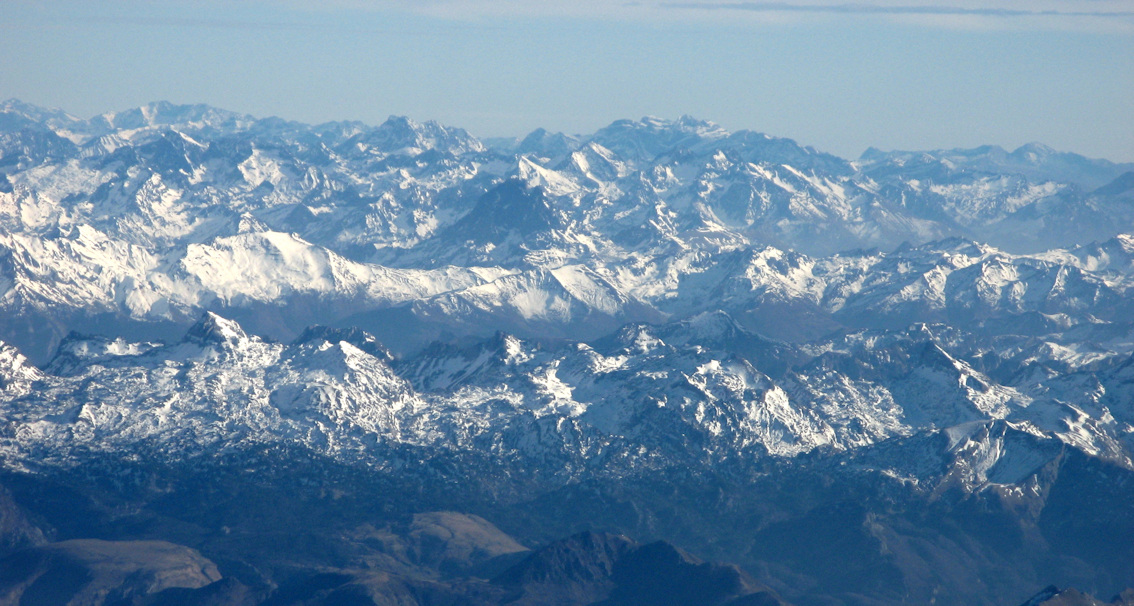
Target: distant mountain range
pixel 903 378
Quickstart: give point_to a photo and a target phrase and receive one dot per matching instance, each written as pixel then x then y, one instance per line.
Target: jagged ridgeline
pixel 250 361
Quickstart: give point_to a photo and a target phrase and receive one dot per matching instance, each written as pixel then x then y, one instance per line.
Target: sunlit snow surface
pixel 666 290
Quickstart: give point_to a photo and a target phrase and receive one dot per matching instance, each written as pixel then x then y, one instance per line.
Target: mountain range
pixel 899 379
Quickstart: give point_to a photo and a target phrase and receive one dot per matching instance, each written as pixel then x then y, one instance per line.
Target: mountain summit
pixel 384 364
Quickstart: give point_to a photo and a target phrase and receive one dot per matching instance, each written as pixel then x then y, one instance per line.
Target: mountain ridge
pixel 900 378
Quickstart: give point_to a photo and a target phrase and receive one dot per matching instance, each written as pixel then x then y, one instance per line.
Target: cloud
pixel 1093 16
pixel 1002 8
pixel 1084 16
pixel 1069 10
pixel 477 9
pixel 1088 15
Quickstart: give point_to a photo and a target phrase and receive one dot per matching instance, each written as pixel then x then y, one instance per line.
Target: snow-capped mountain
pixel 419 233
pixel 573 316
pixel 150 217
pixel 637 391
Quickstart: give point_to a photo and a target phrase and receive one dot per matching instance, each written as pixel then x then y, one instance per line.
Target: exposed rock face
pixel 907 378
pixel 16 531
pixel 1053 596
pixel 90 572
pixel 453 542
pixel 612 570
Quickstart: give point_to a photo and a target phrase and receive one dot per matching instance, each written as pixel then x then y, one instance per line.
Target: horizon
pixel 518 138
pixel 893 74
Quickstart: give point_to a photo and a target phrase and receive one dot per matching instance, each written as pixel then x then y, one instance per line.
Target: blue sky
pixel 896 74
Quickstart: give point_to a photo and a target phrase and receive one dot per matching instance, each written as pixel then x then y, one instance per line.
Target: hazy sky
pixel 839 75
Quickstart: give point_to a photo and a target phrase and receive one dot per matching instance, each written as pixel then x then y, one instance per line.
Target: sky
pixel 839 75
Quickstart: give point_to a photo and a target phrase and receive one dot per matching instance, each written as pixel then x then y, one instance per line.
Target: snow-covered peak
pixel 16 373
pixel 760 148
pixel 549 180
pixel 645 139
pixel 596 164
pixel 1114 255
pixel 77 351
pixel 1033 153
pixel 544 144
pixel 1033 161
pixel 359 338
pixel 399 135
pixel 212 330
pixel 16 114
pixel 164 113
